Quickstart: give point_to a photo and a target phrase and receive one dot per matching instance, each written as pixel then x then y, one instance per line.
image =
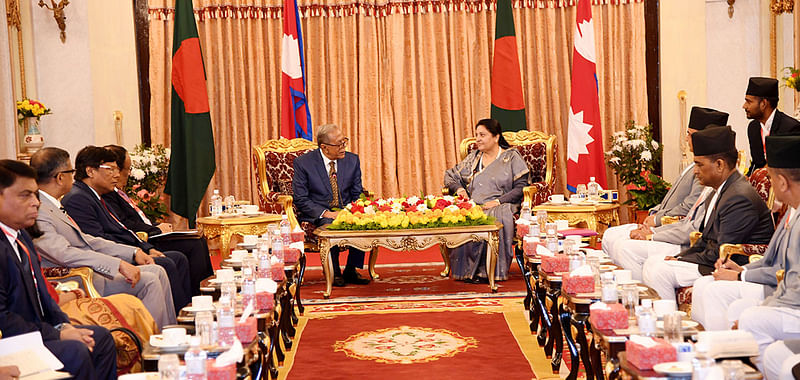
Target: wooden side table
pixel 590 215
pixel 226 227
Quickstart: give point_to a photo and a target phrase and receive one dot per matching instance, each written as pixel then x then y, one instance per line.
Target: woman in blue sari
pixel 492 176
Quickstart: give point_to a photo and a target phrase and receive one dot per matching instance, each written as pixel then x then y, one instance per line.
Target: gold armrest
pixel 665 220
pixel 694 236
pixel 445 191
pixel 528 192
pixel 726 250
pixel 754 258
pixel 368 194
pixel 143 236
pixel 286 203
pixel 779 275
pixel 85 274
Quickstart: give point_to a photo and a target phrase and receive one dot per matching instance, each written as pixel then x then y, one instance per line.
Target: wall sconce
pixel 58 14
pixel 730 8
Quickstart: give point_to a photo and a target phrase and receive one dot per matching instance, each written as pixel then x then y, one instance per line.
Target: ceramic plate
pixel 192 309
pixel 628 282
pixel 157 341
pixel 141 376
pixel 674 368
pixel 608 267
pixel 246 246
pixel 685 324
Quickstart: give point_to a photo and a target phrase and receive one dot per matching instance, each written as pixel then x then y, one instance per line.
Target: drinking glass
pixel 227 294
pixel 732 369
pixel 203 323
pixel 630 298
pixel 541 218
pixel 673 330
pixel 168 366
pixel 581 190
pixel 594 263
pixel 570 248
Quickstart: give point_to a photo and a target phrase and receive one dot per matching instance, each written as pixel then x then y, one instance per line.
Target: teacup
pixel 225 275
pixel 575 198
pixel 622 276
pixel 576 238
pixel 250 209
pixel 556 198
pixel 664 307
pixel 202 302
pixel 238 254
pixel 173 336
pixel 562 224
pixel 250 240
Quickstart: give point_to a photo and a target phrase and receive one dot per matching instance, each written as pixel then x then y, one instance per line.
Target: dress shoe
pixel 476 280
pixel 355 278
pixel 338 281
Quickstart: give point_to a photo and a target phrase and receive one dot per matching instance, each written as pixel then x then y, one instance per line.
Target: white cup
pixel 562 224
pixel 174 336
pixel 663 307
pixel 622 276
pixel 250 209
pixel 225 275
pixel 202 302
pixel 576 238
pixel 250 239
pixel 238 254
pixel 556 198
pixel 575 198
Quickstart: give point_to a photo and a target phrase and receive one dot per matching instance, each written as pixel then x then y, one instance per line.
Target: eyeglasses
pixel 342 144
pixel 70 171
pixel 113 169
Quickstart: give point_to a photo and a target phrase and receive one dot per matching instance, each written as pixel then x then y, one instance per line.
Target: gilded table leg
pixel 224 243
pixel 327 268
pixel 373 258
pixel 445 251
pixel 491 258
pixel 591 221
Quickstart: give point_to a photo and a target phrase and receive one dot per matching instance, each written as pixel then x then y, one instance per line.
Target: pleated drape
pixel 406 86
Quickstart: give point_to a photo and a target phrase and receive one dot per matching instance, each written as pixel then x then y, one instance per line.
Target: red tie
pixel 117 220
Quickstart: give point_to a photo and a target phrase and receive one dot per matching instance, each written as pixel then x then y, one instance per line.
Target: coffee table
pixel 592 216
pixel 407 240
pixel 227 226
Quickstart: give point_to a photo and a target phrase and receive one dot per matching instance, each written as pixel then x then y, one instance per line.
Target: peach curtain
pixel 406 81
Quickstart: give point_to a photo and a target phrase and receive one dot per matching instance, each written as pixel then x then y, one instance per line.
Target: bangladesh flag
pixel 191 163
pixel 508 106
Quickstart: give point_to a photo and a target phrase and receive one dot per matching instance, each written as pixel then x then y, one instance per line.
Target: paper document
pixel 28 353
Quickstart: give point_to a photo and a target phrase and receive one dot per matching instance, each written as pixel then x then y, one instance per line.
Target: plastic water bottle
pixel 646 318
pixel 264 265
pixel 226 326
pixel 248 292
pixel 702 362
pixel 525 212
pixel 593 188
pixel 286 230
pixel 215 205
pixel 195 361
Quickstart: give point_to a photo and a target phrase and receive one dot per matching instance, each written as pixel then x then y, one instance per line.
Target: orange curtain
pixel 405 80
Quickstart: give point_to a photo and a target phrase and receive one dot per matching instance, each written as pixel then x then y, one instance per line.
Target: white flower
pixel 646 155
pixel 397 208
pixel 413 199
pixel 153 169
pixel 381 202
pixel 654 143
pixel 451 208
pixel 369 210
pixel 449 198
pixel 614 160
pixel 422 207
pixel 138 174
pixel 168 152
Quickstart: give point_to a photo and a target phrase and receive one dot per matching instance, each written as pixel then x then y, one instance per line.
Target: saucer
pixel 192 309
pixel 674 368
pixel 158 342
pixel 557 203
pixel 607 267
pixel 247 246
pixel 685 324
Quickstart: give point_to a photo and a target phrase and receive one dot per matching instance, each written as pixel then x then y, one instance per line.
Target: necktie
pixel 24 248
pixel 117 220
pixel 70 218
pixel 334 185
pixel 134 206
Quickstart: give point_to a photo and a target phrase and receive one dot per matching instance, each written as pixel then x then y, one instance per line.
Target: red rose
pixel 441 204
pixel 465 205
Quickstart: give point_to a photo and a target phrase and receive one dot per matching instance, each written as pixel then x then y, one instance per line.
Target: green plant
pixel 633 156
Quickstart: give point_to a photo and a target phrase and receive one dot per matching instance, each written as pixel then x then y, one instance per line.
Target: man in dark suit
pixel 325 179
pixel 760 105
pixel 193 246
pixel 734 214
pixel 87 352
pixel 96 173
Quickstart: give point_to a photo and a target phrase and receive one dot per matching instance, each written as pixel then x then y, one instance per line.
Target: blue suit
pixel 96 219
pixel 313 194
pixel 20 313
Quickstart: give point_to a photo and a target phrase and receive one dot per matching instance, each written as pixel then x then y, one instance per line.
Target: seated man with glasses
pixel 96 174
pixel 325 179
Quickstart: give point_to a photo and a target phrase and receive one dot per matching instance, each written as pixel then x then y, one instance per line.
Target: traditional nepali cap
pixel 763 87
pixel 782 152
pixel 714 140
pixel 700 117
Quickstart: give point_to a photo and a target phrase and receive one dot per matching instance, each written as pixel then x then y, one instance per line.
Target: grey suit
pixel 680 197
pixel 787 293
pixel 678 233
pixel 63 244
pixel 763 271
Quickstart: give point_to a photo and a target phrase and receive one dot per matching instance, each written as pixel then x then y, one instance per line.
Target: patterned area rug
pixel 484 338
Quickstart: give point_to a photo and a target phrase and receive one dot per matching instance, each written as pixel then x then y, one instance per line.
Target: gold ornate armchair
pixel 73 278
pixel 538 149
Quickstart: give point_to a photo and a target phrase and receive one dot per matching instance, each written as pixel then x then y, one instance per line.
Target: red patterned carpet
pixel 422 340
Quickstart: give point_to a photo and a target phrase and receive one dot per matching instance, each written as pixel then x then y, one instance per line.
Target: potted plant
pixel 29 112
pixel 146 182
pixel 633 156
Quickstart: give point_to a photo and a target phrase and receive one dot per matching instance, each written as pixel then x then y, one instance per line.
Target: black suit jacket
pixel 782 124
pixel 312 188
pixel 127 215
pixel 740 216
pixel 19 308
pixel 85 208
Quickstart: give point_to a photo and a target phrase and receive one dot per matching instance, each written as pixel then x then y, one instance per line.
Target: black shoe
pixel 476 280
pixel 338 281
pixel 355 278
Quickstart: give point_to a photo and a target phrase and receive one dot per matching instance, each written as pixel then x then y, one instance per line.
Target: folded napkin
pixel 234 355
pixel 274 260
pixel 247 311
pixel 729 343
pixel 266 285
pixel 583 270
pixel 599 306
pixel 645 341
pixel 543 251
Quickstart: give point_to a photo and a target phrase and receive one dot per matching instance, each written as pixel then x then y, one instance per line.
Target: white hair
pixel 323 131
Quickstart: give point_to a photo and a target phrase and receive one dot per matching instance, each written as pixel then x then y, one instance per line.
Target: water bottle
pixel 226 326
pixel 702 362
pixel 228 204
pixel 264 265
pixel 204 324
pixel 525 212
pixel 646 318
pixel 551 237
pixel 248 292
pixel 593 188
pixel 609 288
pixel 215 205
pixel 195 361
pixel 286 230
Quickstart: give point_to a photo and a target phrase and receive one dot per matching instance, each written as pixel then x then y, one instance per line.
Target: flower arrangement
pixel 411 212
pixel 146 181
pixel 633 156
pixel 31 108
pixel 792 80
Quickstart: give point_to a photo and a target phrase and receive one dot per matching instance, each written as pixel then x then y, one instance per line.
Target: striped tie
pixel 334 185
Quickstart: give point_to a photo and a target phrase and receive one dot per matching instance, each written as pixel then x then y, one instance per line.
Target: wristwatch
pixel 61 326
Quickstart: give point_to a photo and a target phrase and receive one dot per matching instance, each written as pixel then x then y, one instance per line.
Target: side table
pixel 590 215
pixel 226 227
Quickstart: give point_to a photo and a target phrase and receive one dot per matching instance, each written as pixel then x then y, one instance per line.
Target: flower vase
pixel 33 139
